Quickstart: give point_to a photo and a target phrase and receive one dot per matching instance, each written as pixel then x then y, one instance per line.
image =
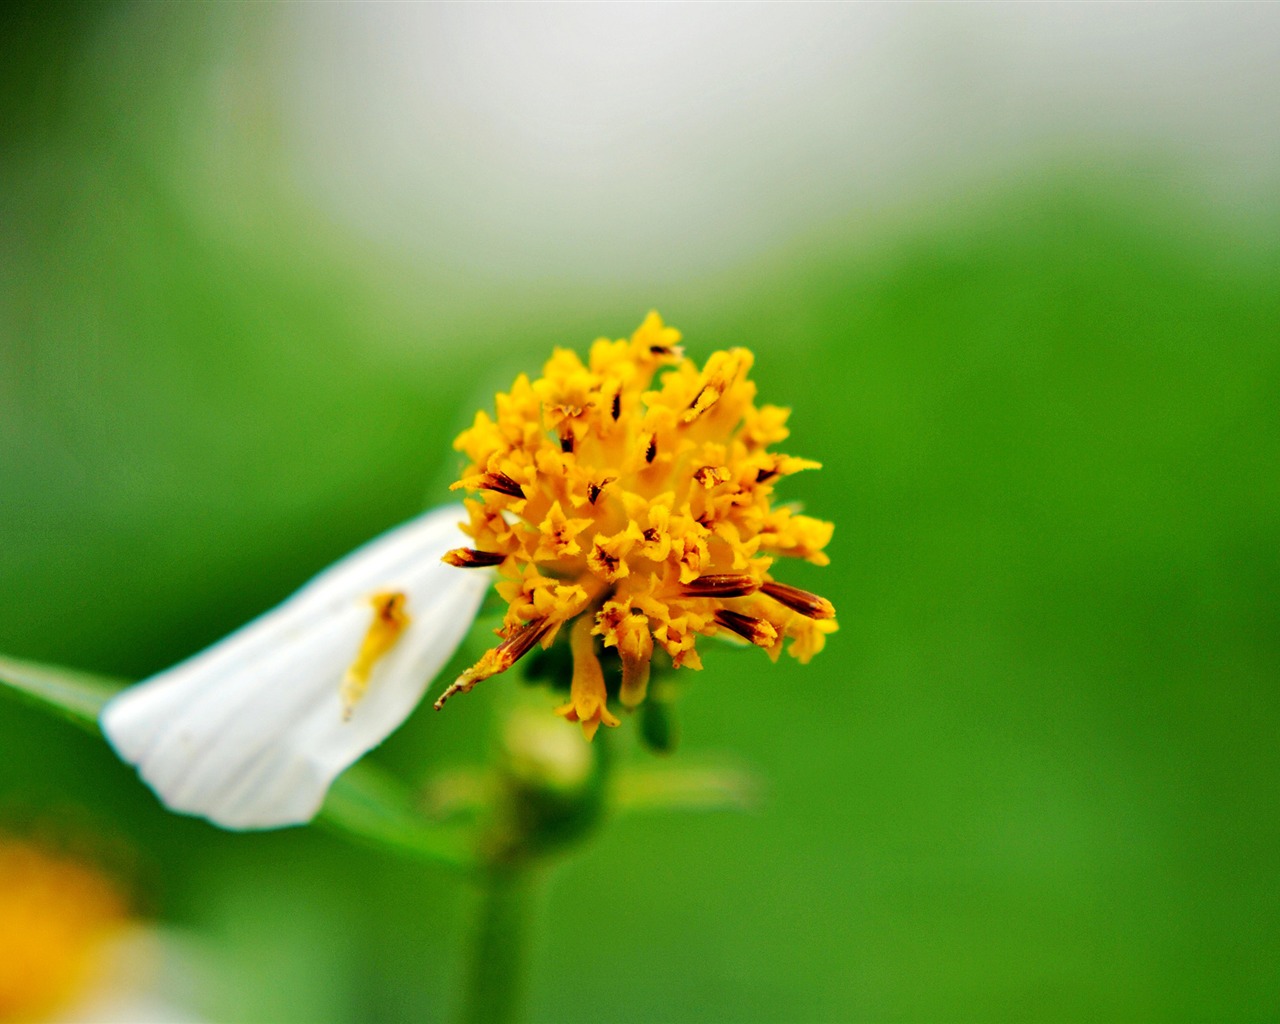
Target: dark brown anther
pixel 522 641
pixel 728 584
pixel 390 607
pixel 603 561
pixel 696 398
pixel 651 452
pixel 801 601
pixel 652 535
pixel 617 406
pixel 519 643
pixel 501 483
pixel 566 443
pixel 759 632
pixel 665 350
pixel 593 490
pixel 765 474
pixel 710 476
pixel 470 558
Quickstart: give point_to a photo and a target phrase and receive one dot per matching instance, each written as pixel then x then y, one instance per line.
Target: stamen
pixel 389 622
pixel 758 631
pixel 801 601
pixel 709 476
pixel 499 659
pixel 617 406
pixel 651 452
pixel 730 584
pixel 784 465
pixel 566 412
pixel 706 397
pixel 604 562
pixel 470 558
pixel 522 641
pixel 566 443
pixel 501 483
pixel 594 489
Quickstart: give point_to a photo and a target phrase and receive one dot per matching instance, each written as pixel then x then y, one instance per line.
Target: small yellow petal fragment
pixel 587 696
pixel 389 621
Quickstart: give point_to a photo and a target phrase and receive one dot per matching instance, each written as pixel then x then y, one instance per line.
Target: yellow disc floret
pixel 643 505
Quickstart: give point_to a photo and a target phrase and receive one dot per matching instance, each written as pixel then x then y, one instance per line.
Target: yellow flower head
pixel 642 508
pixel 56 914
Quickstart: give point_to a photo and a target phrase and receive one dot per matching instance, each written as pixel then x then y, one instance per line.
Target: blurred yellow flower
pixel 72 950
pixel 56 917
pixel 643 510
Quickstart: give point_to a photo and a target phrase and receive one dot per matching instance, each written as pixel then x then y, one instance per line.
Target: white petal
pixel 250 733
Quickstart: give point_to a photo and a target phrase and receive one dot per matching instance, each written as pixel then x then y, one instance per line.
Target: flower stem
pixel 500 946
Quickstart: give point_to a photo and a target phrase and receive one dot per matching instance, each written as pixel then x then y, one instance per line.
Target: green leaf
pixel 371 806
pixel 76 696
pixel 364 803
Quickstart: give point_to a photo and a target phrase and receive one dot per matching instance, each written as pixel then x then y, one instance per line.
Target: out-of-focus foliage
pixel 1034 775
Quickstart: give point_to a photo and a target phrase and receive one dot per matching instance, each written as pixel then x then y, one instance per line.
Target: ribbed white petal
pixel 250 733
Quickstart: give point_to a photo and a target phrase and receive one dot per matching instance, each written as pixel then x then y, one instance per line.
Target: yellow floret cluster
pixel 633 495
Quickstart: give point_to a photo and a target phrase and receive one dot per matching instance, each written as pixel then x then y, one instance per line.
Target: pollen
pixel 632 496
pixel 389 621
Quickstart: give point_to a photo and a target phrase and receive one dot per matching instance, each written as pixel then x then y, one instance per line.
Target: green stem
pixel 500 947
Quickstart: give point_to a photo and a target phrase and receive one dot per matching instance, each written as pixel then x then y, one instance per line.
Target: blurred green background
pixel 1035 775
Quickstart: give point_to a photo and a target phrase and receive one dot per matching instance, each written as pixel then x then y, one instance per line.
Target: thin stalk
pixel 499 951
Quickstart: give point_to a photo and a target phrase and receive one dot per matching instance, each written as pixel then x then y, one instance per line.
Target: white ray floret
pixel 251 732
